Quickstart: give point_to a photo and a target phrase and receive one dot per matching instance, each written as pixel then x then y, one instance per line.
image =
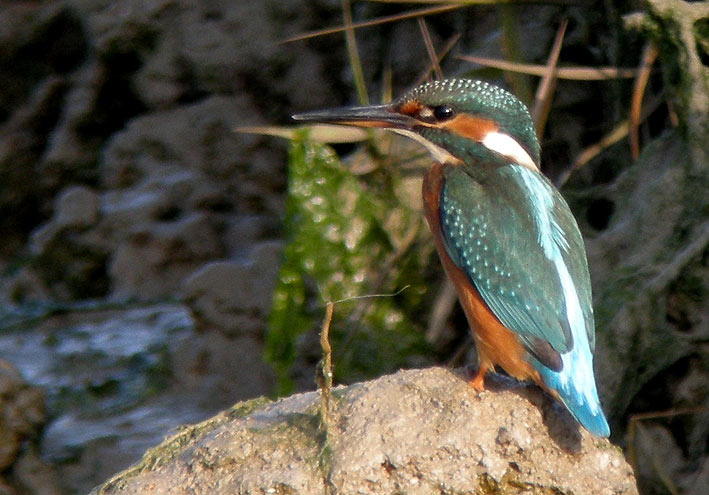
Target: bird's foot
pixel 478 381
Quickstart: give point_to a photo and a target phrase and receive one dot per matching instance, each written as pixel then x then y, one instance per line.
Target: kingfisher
pixel 505 236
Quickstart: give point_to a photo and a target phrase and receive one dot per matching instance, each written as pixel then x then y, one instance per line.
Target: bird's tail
pixel 575 387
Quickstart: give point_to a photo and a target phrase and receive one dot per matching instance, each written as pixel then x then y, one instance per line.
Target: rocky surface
pixel 22 416
pixel 414 432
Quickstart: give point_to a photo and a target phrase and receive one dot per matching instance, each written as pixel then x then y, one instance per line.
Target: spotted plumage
pixel 505 235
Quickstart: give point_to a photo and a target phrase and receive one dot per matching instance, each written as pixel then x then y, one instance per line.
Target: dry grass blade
pixel 511 46
pixel 429 47
pixel 458 2
pixel 353 55
pixel 671 413
pixel 573 73
pixel 648 58
pixel 464 3
pixel 545 90
pixel 374 22
pixel 450 44
pixel 618 133
pixel 321 133
pixel 387 85
pixel 324 374
pixel 355 317
pixel 590 152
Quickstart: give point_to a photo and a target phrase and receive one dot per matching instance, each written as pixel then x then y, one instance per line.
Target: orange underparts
pixel 495 343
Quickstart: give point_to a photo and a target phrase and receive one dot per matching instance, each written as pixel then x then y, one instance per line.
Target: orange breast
pixel 496 344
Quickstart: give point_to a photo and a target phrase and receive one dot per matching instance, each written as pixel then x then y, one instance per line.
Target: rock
pixel 148 119
pixel 235 296
pixel 121 167
pixel 68 261
pixel 76 207
pixel 41 46
pixel 24 286
pixel 22 417
pixel 69 149
pixel 107 378
pixel 171 193
pixel 414 432
pixel 211 370
pixel 658 457
pixel 137 102
pixel 153 262
pixel 21 190
pixel 117 378
pixel 33 475
pixel 701 481
pixel 641 273
pixel 22 412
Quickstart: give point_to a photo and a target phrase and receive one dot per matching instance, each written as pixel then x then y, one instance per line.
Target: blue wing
pixel 491 233
pixel 513 235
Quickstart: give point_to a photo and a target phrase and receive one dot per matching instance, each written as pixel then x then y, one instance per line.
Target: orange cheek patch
pixel 470 127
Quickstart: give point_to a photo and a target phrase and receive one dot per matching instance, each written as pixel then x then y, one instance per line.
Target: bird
pixel 505 235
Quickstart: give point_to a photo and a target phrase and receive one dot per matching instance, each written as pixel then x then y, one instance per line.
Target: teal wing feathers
pixel 491 233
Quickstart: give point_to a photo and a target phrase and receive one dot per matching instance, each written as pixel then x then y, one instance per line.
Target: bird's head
pixel 458 120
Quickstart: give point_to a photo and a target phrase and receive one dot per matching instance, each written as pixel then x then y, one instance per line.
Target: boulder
pixel 235 296
pixel 414 432
pixel 22 418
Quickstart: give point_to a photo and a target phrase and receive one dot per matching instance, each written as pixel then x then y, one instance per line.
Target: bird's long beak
pixel 382 116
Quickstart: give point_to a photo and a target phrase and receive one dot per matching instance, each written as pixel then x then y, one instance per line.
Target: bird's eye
pixel 443 112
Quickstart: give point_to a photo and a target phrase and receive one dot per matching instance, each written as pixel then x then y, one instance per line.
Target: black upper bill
pixel 373 116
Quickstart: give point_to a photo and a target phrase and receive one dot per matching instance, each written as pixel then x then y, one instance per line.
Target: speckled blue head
pixel 456 119
pixel 490 106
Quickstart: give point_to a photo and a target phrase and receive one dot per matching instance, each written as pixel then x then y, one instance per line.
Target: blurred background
pixel 157 266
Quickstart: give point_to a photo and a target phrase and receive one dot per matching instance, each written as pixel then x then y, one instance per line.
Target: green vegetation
pixel 346 237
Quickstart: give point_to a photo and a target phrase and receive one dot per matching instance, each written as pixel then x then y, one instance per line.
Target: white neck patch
pixel 506 146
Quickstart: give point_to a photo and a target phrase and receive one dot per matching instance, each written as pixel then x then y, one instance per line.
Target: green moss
pixel 244 408
pixel 340 242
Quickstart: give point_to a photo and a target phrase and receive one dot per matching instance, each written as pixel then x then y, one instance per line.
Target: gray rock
pixel 22 416
pixel 414 432
pixel 235 296
pixel 152 262
pixel 76 207
pixel 106 375
pixel 22 412
pixel 701 481
pixel 215 369
pixel 659 459
pixel 33 475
